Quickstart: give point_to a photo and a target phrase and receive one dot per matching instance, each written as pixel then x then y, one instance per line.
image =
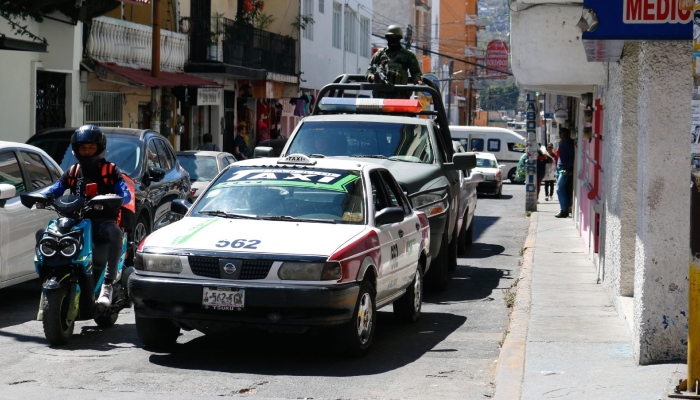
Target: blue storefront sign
pixel 621 20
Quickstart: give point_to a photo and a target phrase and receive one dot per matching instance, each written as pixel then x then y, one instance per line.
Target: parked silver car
pixel 467 205
pixel 203 167
pixel 23 169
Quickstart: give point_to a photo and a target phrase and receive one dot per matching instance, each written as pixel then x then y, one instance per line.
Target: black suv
pixel 144 155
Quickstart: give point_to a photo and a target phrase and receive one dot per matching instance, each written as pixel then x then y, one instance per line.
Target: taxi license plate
pixel 223 298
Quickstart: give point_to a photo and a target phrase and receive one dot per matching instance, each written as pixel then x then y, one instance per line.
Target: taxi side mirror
pixel 180 206
pixel 461 161
pixel 389 215
pixel 263 152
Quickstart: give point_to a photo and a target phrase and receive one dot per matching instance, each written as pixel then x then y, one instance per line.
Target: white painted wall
pixel 663 198
pixel 620 177
pixel 18 77
pixel 320 61
pixel 550 33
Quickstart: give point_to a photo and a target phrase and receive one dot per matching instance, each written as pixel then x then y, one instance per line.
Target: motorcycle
pixel 72 268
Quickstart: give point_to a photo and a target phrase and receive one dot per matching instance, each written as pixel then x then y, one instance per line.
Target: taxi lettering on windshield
pixel 284 175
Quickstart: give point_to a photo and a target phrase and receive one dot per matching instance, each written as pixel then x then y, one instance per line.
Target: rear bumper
pixel 265 304
pixel 488 187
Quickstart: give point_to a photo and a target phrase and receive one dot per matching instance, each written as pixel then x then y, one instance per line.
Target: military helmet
pixel 394 30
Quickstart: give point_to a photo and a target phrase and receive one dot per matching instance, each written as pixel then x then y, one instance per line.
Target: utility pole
pixel 451 66
pixel 471 85
pixel 531 163
pixel 155 67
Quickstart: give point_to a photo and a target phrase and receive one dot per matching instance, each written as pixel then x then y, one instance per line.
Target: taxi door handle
pixel 417 226
pixel 400 233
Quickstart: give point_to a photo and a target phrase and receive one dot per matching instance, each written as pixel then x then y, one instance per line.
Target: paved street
pixel 449 354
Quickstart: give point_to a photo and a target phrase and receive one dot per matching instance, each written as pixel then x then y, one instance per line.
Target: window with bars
pixel 350 30
pixel 364 37
pixel 105 109
pixel 337 24
pixel 309 12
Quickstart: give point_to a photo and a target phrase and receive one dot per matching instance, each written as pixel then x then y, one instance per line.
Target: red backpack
pixel 127 213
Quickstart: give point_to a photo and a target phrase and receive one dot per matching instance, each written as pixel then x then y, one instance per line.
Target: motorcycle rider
pixel 89 144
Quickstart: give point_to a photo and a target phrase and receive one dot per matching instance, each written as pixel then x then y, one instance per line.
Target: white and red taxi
pixel 295 242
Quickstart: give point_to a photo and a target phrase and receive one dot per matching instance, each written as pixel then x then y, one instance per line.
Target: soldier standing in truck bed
pixel 392 64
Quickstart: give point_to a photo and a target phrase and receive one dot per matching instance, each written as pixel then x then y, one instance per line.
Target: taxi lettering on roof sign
pixel 284 175
pixel 300 159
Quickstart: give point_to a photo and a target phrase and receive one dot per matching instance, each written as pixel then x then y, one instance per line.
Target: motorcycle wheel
pixel 107 320
pixel 56 328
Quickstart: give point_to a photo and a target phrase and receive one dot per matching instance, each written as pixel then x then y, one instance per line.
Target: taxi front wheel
pixel 156 333
pixel 358 333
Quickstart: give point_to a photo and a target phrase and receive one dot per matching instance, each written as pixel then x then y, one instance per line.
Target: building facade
pixel 630 116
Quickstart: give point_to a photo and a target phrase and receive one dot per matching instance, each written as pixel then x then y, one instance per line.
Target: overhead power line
pixel 454 58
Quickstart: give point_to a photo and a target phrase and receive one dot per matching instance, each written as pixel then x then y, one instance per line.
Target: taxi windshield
pixel 286 194
pixel 395 141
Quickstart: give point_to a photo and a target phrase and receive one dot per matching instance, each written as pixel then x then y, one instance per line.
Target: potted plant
pixel 217 30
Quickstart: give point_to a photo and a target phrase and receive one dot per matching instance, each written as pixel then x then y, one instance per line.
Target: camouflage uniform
pixel 399 61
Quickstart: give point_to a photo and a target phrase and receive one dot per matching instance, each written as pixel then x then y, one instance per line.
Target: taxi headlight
pixel 301 271
pixel 430 203
pixel 160 263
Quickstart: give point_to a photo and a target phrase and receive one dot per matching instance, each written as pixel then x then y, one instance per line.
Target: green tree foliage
pixel 500 97
pixel 16 12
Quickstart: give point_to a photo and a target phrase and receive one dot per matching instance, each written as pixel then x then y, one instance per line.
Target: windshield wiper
pixel 225 214
pixel 316 156
pixel 371 156
pixel 289 218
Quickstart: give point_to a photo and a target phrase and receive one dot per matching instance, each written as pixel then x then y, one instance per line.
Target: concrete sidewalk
pixel 566 340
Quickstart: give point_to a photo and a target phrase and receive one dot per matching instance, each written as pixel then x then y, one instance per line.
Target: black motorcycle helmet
pixel 89 134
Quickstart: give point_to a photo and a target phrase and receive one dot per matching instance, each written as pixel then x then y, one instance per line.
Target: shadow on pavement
pixel 482 223
pixel 396 344
pixel 469 284
pixel 19 303
pixel 86 337
pixel 484 250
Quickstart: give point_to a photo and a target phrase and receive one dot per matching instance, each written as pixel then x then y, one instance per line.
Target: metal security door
pixel 50 100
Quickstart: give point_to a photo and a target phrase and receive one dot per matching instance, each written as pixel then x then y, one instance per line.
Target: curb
pixel 511 360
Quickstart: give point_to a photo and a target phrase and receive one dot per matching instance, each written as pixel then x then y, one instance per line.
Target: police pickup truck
pixel 415 145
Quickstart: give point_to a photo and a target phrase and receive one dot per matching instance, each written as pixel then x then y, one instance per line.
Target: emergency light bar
pixel 378 105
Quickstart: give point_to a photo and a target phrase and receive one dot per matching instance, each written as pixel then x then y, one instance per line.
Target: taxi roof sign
pixel 299 159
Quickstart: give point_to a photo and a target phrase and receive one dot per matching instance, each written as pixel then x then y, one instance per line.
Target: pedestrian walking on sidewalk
pixel 565 170
pixel 550 174
pixel 543 160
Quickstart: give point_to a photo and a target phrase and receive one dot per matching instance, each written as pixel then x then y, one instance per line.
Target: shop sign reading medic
pixel 654 12
pixel 638 20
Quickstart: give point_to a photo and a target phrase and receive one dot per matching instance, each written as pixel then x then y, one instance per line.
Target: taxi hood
pixel 252 237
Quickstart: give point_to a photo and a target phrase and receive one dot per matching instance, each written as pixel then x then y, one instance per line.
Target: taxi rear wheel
pixel 156 333
pixel 358 333
pixel 408 307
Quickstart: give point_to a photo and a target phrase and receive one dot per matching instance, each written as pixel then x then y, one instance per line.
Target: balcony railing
pixel 129 44
pixel 224 40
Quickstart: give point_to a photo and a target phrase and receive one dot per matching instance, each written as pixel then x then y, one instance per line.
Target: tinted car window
pixel 494 145
pixel 10 172
pixel 152 155
pixel 224 162
pixel 477 145
pixel 201 168
pixel 39 174
pixel 123 151
pixel 163 155
pixel 327 195
pixel 395 193
pixel 407 142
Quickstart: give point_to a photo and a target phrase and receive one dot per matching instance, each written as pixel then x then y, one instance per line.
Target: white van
pixel 505 144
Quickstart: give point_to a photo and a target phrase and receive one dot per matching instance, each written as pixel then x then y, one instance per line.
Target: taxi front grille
pixel 209 267
pixel 204 266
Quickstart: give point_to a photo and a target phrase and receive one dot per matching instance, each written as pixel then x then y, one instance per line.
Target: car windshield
pixel 123 151
pixel 331 196
pixel 201 168
pixel 485 163
pixel 403 142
